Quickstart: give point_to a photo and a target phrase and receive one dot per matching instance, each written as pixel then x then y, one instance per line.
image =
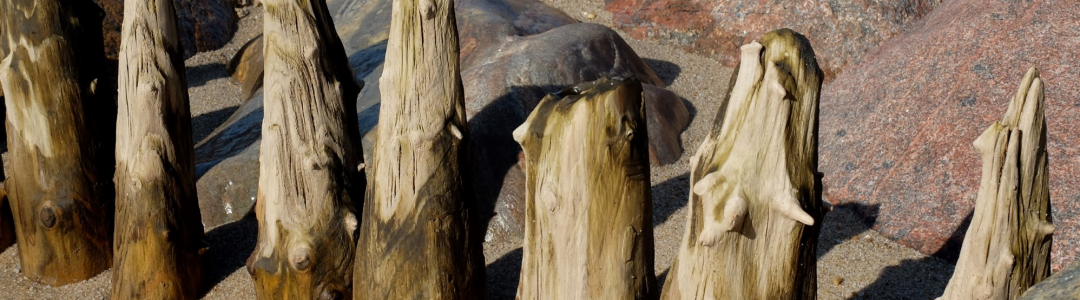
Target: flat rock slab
pixel 513 52
pixel 840 31
pixel 202 24
pixel 897 129
pixel 1063 285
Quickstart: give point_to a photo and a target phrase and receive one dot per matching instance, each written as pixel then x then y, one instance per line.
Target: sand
pixel 854 261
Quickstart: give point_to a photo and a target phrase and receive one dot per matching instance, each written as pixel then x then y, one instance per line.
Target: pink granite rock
pixel 897 129
pixel 840 30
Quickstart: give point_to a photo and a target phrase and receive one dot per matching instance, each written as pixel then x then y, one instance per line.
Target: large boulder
pixel 513 52
pixel 203 24
pixel 897 129
pixel 841 31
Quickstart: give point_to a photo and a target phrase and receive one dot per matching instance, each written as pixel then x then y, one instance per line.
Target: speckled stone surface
pixel 1063 285
pixel 897 129
pixel 202 24
pixel 840 30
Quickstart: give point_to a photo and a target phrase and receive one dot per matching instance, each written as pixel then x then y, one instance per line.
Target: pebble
pixel 838 280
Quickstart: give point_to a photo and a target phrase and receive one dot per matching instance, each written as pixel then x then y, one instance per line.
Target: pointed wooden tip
pixel 454 131
pixel 519 133
pixel 735 211
pixel 788 205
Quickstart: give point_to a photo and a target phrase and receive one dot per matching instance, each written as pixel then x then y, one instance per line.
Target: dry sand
pixel 854 261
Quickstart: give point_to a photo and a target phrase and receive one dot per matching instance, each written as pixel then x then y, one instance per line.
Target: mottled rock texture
pixel 202 24
pixel 842 31
pixel 513 53
pixel 896 130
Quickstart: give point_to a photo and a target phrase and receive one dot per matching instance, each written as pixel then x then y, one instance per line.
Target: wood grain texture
pixel 755 201
pixel 588 209
pixel 158 240
pixel 1007 247
pixel 310 182
pixel 60 193
pixel 416 239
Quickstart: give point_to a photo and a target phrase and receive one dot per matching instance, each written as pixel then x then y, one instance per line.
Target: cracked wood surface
pixel 755 201
pixel 61 157
pixel 1007 247
pixel 158 240
pixel 416 240
pixel 310 177
pixel 588 229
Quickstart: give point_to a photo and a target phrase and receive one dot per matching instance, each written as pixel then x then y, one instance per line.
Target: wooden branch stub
pixel 588 232
pixel 755 200
pixel 309 186
pixel 59 191
pixel 416 240
pixel 158 237
pixel 1007 247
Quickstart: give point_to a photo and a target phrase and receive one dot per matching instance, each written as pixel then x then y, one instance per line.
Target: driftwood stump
pixel 158 238
pixel 60 193
pixel 755 190
pixel 1007 248
pixel 310 180
pixel 588 208
pixel 416 240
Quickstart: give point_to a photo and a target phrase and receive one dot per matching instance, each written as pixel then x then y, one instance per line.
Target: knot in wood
pixel 427 9
pixel 300 257
pixel 331 294
pixel 48 215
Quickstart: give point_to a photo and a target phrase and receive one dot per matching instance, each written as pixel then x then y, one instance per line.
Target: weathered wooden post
pixel 415 239
pixel 1007 247
pixel 60 193
pixel 755 189
pixel 158 240
pixel 310 180
pixel 588 229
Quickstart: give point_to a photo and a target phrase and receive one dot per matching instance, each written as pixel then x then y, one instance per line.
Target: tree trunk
pixel 310 180
pixel 416 241
pixel 61 197
pixel 159 234
pixel 755 188
pixel 588 211
pixel 1007 248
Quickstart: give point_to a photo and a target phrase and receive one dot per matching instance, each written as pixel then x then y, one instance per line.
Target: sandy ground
pixel 854 261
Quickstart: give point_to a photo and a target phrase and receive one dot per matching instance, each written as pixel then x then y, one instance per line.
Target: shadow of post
pixel 503 276
pixel 230 246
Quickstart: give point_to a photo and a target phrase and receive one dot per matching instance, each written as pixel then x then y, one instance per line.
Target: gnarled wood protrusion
pixel 310 180
pixel 588 229
pixel 755 190
pixel 416 240
pixel 1007 247
pixel 60 190
pixel 158 238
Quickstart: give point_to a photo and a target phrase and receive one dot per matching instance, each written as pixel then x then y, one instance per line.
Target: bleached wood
pixel 588 208
pixel 416 240
pixel 60 191
pixel 309 180
pixel 158 237
pixel 755 189
pixel 1007 247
